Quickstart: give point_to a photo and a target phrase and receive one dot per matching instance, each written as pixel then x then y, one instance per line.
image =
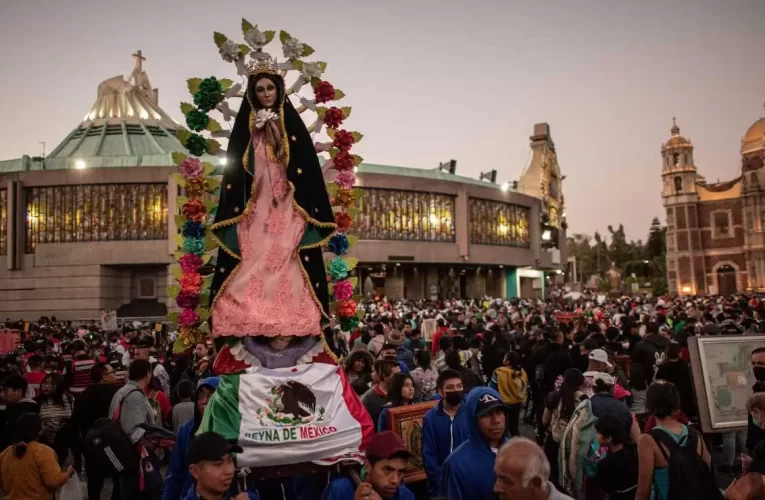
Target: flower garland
pixel 209 94
pixel 196 177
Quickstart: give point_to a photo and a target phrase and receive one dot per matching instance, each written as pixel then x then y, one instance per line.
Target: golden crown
pixel 262 65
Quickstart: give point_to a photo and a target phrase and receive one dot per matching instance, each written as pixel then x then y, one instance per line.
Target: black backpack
pixel 107 448
pixel 689 476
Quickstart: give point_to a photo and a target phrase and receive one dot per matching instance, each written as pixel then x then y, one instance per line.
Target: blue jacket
pixel 468 473
pixel 342 489
pixel 405 356
pixel 178 480
pixel 441 436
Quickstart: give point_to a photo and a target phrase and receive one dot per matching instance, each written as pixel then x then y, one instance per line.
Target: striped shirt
pixel 54 416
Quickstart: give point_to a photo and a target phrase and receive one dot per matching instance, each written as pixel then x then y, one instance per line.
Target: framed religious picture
pixel 406 421
pixel 723 379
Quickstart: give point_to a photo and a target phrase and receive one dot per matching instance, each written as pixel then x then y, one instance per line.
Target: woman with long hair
pixel 56 415
pixel 358 367
pixel 29 469
pixel 424 376
pixel 400 393
pixel 559 407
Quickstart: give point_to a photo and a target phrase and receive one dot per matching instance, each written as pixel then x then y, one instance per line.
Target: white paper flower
pixel 263 116
pixel 255 39
pixel 230 51
pixel 311 70
pixel 292 48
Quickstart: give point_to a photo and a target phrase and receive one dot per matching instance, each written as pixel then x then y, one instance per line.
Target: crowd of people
pixel 601 389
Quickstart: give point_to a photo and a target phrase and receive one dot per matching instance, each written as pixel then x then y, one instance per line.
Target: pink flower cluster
pixel 191 168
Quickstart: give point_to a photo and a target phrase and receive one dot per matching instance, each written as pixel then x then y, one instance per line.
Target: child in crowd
pixel 617 472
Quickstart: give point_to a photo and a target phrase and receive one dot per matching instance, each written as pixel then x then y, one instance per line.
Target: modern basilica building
pixel 89 227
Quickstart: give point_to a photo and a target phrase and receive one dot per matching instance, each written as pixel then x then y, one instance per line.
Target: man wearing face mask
pixel 444 427
pixel 755 433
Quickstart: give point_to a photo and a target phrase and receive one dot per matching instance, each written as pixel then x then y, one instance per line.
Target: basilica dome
pixel 676 140
pixel 754 139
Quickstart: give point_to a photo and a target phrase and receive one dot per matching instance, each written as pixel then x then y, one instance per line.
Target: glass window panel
pixel 387 214
pixel 91 212
pixel 498 223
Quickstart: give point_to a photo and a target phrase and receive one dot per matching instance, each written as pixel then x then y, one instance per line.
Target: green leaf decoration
pixel 173 291
pixel 321 112
pixel 220 39
pixel 246 26
pixel 352 240
pixel 193 85
pixel 176 271
pixel 357 160
pixel 177 255
pixel 204 314
pixel 346 111
pixel 284 36
pixel 179 346
pixel 173 317
pixel 213 185
pixel 269 35
pixel 213 146
pixel 357 298
pixel 333 306
pixel 358 193
pixel 315 80
pixel 354 282
pixel 352 212
pixel 209 168
pixel 298 65
pixel 180 220
pixel 181 180
pixel 207 281
pixel 322 65
pixel 204 299
pixel 181 200
pixel 213 126
pixel 352 262
pixel 179 157
pixel 331 133
pixel 183 135
pixel 361 314
pixel 307 50
pixel 187 108
pixel 333 151
pixel 332 189
pixel 357 136
pixel 244 49
pixel 226 83
pixel 178 239
pixel 206 258
pixel 209 205
pixel 339 94
pixel 210 245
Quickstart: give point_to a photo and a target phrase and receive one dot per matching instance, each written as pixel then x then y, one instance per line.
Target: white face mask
pixel 626 345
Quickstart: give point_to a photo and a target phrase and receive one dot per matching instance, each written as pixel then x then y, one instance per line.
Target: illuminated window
pixel 4 222
pixel 498 223
pixel 95 212
pixel 387 214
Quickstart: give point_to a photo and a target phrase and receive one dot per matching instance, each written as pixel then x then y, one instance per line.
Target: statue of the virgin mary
pixel 269 294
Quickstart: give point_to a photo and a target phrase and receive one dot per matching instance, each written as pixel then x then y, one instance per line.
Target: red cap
pixel 386 445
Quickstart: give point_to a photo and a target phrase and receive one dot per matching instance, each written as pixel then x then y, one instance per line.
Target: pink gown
pixel 268 294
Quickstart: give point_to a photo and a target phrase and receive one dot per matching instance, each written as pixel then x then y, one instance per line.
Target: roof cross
pixel 139 59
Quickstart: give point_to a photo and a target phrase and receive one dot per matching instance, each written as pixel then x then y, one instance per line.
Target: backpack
pixel 689 476
pixel 574 461
pixel 106 446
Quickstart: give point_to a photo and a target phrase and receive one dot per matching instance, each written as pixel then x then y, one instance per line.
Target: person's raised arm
pixel 646 447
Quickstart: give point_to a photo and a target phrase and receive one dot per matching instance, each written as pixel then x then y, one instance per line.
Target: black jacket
pixel 753 433
pixel 558 361
pixel 648 352
pixel 10 415
pixel 679 373
pixel 92 405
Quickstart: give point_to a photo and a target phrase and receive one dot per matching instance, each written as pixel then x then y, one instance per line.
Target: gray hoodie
pixel 135 410
pixel 555 494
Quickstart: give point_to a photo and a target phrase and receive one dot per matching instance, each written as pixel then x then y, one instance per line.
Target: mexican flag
pixel 306 413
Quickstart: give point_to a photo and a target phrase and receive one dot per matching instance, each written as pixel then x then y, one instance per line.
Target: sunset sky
pixel 434 80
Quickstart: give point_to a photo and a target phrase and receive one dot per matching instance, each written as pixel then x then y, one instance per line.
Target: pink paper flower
pixel 191 167
pixel 188 317
pixel 343 290
pixel 346 179
pixel 190 263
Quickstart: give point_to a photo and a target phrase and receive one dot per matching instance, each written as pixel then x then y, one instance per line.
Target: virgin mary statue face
pixel 266 92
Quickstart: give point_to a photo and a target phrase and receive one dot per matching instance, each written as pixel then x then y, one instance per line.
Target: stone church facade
pixel 715 231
